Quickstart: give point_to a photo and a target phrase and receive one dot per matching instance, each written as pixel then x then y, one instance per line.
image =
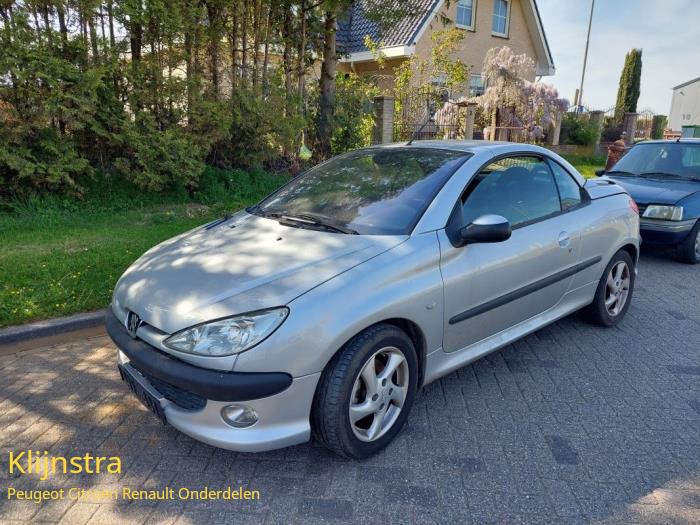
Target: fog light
pixel 239 416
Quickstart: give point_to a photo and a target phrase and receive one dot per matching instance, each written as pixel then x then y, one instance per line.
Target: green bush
pixel 354 117
pixel 658 125
pixel 155 160
pixel 260 129
pixel 219 186
pixel 577 130
pixel 39 159
pixel 113 194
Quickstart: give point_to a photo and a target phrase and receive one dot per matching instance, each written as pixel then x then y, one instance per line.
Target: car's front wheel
pixel 614 292
pixel 689 250
pixel 366 392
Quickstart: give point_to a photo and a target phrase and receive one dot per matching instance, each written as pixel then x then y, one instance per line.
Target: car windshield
pixel 667 159
pixel 377 191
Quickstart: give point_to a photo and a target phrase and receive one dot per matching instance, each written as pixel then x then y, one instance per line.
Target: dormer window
pixel 466 14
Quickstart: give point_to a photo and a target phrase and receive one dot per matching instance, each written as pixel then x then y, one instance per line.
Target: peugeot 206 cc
pixel 324 308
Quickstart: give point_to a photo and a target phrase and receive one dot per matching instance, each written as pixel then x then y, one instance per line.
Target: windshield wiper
pixel 666 175
pixel 311 220
pixel 621 172
pixel 656 174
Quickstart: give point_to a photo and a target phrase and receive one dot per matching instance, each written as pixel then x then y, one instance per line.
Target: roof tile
pixel 355 26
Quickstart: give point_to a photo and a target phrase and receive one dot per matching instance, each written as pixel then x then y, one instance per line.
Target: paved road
pixel 574 424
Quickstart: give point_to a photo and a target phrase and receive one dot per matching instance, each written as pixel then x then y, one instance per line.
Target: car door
pixel 491 287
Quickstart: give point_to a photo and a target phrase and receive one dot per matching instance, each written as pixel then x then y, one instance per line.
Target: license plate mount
pixel 150 401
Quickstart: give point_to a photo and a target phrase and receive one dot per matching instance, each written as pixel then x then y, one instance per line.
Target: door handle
pixel 564 239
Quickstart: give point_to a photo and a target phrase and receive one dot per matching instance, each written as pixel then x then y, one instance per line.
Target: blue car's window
pixel 521 189
pixel 679 159
pixel 373 192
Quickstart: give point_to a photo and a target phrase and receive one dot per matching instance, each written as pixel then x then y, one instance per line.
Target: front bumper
pixel 665 232
pixel 283 404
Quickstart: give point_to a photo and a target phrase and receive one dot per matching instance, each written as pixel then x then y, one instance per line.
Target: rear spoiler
pixel 602 187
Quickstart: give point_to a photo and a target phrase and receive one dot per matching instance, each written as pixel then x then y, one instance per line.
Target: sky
pixel 668 32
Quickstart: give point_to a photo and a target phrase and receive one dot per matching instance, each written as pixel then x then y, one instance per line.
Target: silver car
pixel 324 308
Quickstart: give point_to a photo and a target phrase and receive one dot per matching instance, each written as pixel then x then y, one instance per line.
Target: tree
pixel 630 79
pixel 384 15
pixel 151 90
pixel 514 101
pixel 658 125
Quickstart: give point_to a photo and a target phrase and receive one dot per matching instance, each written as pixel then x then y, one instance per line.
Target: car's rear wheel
pixel 614 292
pixel 366 392
pixel 689 250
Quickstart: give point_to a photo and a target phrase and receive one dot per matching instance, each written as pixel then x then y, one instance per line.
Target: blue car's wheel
pixel 690 248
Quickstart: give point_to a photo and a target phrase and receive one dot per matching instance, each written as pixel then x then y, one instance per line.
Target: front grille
pixel 642 208
pixel 182 398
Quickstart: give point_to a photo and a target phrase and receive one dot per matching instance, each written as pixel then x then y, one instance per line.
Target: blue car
pixel 663 177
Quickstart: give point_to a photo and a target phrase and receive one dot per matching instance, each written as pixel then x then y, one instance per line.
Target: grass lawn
pixel 61 257
pixel 587 165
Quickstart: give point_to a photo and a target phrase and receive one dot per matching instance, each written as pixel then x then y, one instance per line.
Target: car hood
pixel 645 190
pixel 244 264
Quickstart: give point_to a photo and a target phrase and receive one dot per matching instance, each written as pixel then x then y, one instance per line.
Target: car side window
pixel 519 188
pixel 569 190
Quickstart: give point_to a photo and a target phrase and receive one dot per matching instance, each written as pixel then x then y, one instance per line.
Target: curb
pixel 51 327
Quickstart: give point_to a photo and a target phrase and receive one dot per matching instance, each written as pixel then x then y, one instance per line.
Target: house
pixel 486 23
pixel 685 106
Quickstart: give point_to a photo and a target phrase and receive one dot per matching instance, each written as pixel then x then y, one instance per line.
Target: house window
pixel 477 86
pixel 465 14
pixel 501 13
pixel 439 80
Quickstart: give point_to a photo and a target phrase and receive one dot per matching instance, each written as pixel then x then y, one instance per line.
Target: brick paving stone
pixel 572 424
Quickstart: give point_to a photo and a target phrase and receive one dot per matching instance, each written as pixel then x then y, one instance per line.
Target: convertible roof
pixel 493 148
pixel 468 145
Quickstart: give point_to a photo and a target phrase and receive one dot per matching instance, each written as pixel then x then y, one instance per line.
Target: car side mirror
pixel 485 229
pixel 599 173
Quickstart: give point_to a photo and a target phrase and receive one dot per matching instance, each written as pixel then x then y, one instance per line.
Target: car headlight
pixel 227 336
pixel 667 213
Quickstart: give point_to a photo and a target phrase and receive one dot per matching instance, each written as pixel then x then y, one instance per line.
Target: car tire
pixel 689 250
pixel 347 385
pixel 614 293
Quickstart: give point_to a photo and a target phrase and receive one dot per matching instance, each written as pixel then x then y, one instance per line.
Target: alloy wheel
pixel 378 394
pixel 617 288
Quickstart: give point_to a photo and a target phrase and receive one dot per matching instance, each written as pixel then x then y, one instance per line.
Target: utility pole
pixel 579 105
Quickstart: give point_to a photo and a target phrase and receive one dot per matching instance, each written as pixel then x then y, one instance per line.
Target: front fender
pixel 691 206
pixel 404 283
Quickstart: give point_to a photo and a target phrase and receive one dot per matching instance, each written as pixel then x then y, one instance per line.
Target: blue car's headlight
pixel 667 213
pixel 228 336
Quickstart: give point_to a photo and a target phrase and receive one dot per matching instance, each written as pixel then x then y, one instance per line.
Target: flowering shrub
pixel 518 102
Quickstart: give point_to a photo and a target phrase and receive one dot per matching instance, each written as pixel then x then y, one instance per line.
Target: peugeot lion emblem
pixel 133 321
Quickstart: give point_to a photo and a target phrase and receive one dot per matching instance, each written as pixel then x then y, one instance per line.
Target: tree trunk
pixel 102 28
pixel 110 15
pixel 189 73
pixel 37 27
pixel 213 15
pixel 301 51
pixel 244 44
pixel 60 11
pixel 233 42
pixel 266 57
pixel 135 40
pixel 287 54
pixel 93 37
pixel 257 9
pixel 47 23
pixel 327 86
